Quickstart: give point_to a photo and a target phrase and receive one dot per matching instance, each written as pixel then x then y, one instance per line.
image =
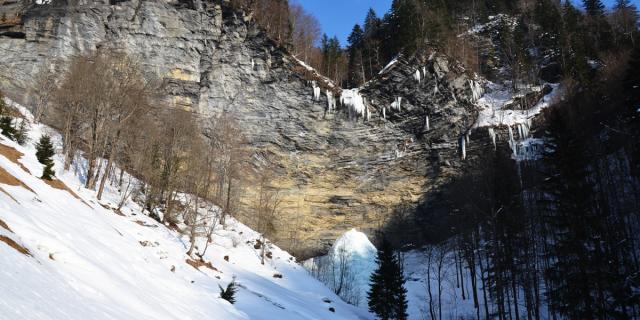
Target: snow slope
pixel 87 261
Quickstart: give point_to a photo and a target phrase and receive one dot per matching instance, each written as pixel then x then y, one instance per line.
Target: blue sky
pixel 337 17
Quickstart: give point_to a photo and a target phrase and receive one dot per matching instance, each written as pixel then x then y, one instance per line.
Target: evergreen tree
pixel 632 78
pixel 3 106
pixel 7 128
pixel 597 27
pixel 403 27
pixel 371 23
pixel 594 8
pixel 229 293
pixel 21 133
pixel 356 36
pixel 356 63
pixel 44 153
pixel 387 295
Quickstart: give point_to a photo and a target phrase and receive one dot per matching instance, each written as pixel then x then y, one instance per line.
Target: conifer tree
pixel 387 295
pixel 632 78
pixel 44 153
pixel 403 27
pixel 371 22
pixel 594 8
pixel 3 106
pixel 6 126
pixel 21 133
pixel 229 293
pixel 356 60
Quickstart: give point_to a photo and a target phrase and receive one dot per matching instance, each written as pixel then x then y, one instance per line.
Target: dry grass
pixel 142 223
pixel 9 195
pixel 57 184
pixel 200 263
pixel 15 245
pixel 13 155
pixel 5 226
pixel 7 178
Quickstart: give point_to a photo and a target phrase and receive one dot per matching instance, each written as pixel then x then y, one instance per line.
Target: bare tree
pixel 228 143
pixel 130 104
pixel 266 207
pixel 43 89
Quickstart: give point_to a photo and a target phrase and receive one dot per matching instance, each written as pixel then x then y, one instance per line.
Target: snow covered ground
pixel 87 261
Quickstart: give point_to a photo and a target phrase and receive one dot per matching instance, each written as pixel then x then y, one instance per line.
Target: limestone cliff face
pixel 337 170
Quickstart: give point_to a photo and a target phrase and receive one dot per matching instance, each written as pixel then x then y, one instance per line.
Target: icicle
pixel 331 101
pixel 476 90
pixel 426 123
pixel 424 71
pixel 492 135
pixel 463 148
pixel 467 137
pixel 512 143
pixel 396 104
pixel 351 98
pixel 316 91
pixel 384 113
pixel 253 64
pixel 417 76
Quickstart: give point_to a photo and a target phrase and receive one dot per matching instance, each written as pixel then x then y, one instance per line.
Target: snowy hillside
pixel 66 255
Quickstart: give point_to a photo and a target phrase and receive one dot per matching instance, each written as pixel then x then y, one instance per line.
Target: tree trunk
pixel 105 175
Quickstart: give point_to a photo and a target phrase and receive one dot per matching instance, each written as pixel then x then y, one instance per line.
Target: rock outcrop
pixel 337 170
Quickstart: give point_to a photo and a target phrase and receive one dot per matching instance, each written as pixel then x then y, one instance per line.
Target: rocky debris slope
pixel 344 167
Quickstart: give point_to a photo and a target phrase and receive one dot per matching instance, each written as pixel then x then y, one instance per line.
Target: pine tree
pixel 229 293
pixel 594 8
pixel 403 31
pixel 371 23
pixel 632 78
pixel 7 128
pixel 21 133
pixel 356 63
pixel 387 295
pixel 3 106
pixel 44 153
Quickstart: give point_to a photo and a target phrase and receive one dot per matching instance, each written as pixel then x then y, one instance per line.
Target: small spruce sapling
pixel 229 293
pixel 44 153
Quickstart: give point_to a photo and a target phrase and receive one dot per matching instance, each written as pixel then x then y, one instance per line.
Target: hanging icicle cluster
pixel 492 135
pixel 524 147
pixel 417 76
pixel 331 101
pixel 463 147
pixel 396 104
pixel 352 99
pixel 316 90
pixel 476 90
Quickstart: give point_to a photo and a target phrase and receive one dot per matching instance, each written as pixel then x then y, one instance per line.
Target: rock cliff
pixel 339 168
